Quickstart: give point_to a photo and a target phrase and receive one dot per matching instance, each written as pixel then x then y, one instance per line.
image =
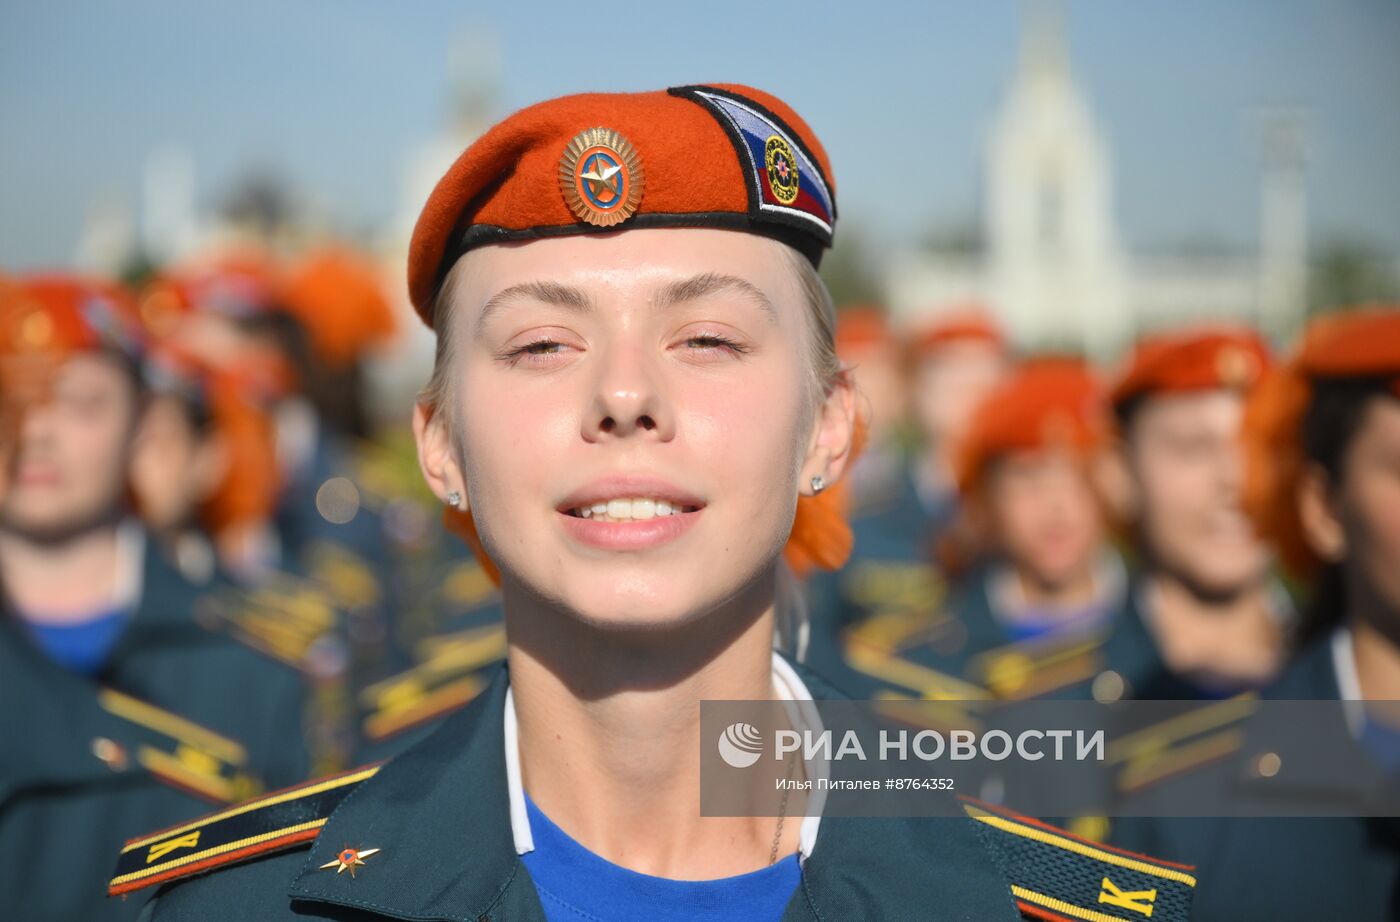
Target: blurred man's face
pixel 71 462
pixel 948 386
pixel 1045 516
pixel 1187 464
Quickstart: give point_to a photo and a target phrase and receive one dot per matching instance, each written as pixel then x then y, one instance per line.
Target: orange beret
pixel 339 297
pixel 862 327
pixel 968 324
pixel 61 313
pixel 1360 343
pixel 238 281
pixel 1046 403
pixel 1192 360
pixel 724 156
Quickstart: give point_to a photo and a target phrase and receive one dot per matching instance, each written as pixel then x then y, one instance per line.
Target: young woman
pixel 636 401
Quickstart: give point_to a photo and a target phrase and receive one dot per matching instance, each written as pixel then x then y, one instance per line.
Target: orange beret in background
pixel 339 297
pixel 863 327
pixel 1360 343
pixel 62 313
pixel 1193 360
pixel 1046 403
pixel 967 324
pixel 723 156
pixel 236 281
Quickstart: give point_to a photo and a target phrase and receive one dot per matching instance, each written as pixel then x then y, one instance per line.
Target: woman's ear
pixel 436 458
pixel 1322 525
pixel 833 436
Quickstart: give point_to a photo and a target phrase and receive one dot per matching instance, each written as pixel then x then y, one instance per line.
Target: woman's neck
pixel 1374 619
pixel 1377 662
pixel 60 583
pixel 609 736
pixel 1067 595
pixel 1238 640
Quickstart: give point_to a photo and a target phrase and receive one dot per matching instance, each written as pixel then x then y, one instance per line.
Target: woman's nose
pixel 629 399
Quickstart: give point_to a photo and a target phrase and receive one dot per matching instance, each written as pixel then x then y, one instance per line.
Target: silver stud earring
pixel 818 484
pixel 454 499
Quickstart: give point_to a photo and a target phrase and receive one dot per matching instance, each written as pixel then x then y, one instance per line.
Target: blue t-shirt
pixel 80 646
pixel 576 885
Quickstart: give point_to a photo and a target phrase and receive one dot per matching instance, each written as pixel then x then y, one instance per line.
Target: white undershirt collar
pixel 1348 680
pixel 802 712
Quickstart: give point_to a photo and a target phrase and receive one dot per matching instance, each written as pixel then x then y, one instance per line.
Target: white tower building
pixel 1055 268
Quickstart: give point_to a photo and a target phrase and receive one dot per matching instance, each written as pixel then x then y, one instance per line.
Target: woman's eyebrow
pixel 545 292
pixel 711 283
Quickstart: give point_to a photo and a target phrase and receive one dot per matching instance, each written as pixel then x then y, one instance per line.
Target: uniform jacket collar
pixel 440 816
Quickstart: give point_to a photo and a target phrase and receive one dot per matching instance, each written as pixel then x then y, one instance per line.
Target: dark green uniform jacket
pixel 1275 868
pixel 180 719
pixel 438 816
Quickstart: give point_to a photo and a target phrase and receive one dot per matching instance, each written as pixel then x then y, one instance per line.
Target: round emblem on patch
pixel 781 164
pixel 601 177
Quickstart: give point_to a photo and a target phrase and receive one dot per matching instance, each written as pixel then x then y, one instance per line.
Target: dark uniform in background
pixel 1244 754
pixel 168 719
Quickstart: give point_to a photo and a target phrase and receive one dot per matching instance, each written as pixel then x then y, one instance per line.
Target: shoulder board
pixel 895 629
pixel 274 822
pixel 468 585
pixel 1028 669
pixel 1180 744
pixel 282 621
pixel 1058 876
pixel 180 752
pixel 343 574
pixel 449 677
pixel 893 584
pixel 925 681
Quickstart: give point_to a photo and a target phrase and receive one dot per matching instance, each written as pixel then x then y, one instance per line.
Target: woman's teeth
pixel 629 510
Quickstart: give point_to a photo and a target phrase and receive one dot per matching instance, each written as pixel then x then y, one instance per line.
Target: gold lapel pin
pixel 348 859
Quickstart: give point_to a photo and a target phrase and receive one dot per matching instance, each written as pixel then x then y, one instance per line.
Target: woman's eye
pixel 535 352
pixel 710 341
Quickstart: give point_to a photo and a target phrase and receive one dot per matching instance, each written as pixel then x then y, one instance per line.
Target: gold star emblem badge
pixel 601 177
pixel 348 859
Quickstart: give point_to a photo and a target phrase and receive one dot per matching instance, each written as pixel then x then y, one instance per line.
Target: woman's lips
pixel 633 535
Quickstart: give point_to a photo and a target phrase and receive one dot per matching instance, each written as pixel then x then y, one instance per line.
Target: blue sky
pixel 335 95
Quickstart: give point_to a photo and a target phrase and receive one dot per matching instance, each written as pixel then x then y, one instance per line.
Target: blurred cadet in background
pixel 1041 585
pixel 1204 617
pixel 958 361
pixel 903 509
pixel 868 345
pixel 891 576
pixel 303 327
pixel 205 481
pixel 133 713
pixel 1322 437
